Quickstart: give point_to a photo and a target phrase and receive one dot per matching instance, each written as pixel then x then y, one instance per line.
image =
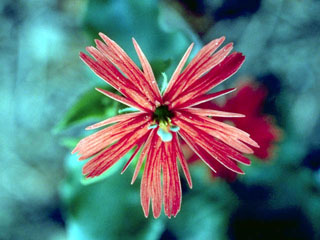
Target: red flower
pixel 258 125
pixel 160 118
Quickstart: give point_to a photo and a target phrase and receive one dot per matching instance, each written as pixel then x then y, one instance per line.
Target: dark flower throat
pixel 162 114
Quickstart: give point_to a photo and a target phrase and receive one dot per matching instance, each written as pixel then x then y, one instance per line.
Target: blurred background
pixel 47 99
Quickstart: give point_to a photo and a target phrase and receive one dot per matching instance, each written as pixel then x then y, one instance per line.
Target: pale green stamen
pixel 162 119
pixel 152 126
pixel 127 110
pixel 174 128
pixel 165 136
pixel 164 82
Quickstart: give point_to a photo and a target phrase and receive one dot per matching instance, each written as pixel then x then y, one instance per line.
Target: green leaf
pixel 164 83
pixel 160 66
pixel 90 105
pixel 99 211
pixel 114 169
pixel 69 142
pixel 127 110
pixel 138 19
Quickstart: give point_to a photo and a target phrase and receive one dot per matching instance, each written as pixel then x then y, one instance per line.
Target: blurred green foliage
pixel 48 97
pixel 91 105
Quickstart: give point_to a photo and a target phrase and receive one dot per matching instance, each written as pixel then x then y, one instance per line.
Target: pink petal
pixel 151 181
pixel 121 99
pixel 217 75
pixel 210 112
pixel 139 145
pixel 147 70
pixel 144 152
pixel 111 155
pixel 216 149
pixel 223 128
pixel 177 72
pixel 118 118
pixel 199 69
pixel 186 102
pixel 119 58
pixel 201 154
pixel 94 143
pixel 109 73
pixel 171 181
pixel 183 161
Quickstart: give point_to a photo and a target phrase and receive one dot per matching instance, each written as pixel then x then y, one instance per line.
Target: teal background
pixel 47 99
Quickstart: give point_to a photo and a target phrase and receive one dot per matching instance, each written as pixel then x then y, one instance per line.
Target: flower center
pixel 162 115
pixel 162 119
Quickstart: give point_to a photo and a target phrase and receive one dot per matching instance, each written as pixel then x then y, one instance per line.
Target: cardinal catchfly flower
pixel 162 120
pixel 260 126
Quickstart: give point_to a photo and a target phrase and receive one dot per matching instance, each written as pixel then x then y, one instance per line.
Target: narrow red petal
pixel 183 161
pixel 111 155
pixel 96 142
pixel 217 75
pixel 155 182
pixel 172 181
pixel 221 158
pixel 186 102
pixel 166 184
pixel 201 154
pixel 177 72
pixel 122 99
pixel 205 53
pixel 217 150
pixel 213 113
pixel 139 145
pixel 113 76
pixel 119 58
pixel 199 69
pixel 144 152
pixel 223 128
pixel 118 118
pixel 102 71
pixel 105 70
pixel 147 71
pixel 151 187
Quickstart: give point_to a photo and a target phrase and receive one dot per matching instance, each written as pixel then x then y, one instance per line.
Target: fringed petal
pixel 139 145
pixel 118 118
pixel 205 157
pixel 112 154
pixel 121 99
pixel 201 68
pixel 110 74
pixel 119 58
pixel 177 72
pixel 214 77
pixel 155 183
pixel 151 180
pixel 171 181
pixel 143 154
pixel 147 70
pixel 182 160
pixel 221 152
pixel 202 56
pixel 215 125
pixel 229 66
pixel 212 113
pixel 186 102
pixel 114 77
pixel 96 142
